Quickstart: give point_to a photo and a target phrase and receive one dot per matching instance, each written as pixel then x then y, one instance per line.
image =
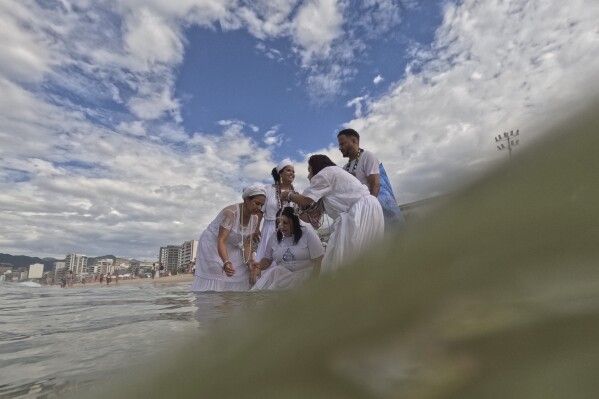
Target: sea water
pixel 62 341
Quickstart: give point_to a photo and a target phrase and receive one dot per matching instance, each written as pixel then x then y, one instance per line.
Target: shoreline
pixel 179 278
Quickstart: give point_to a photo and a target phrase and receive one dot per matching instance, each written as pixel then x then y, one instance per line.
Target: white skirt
pixel 284 277
pixel 353 232
pixel 205 284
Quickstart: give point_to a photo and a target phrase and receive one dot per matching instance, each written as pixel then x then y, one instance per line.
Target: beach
pixel 178 278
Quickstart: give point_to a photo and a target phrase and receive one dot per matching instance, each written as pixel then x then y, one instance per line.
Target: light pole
pixel 510 139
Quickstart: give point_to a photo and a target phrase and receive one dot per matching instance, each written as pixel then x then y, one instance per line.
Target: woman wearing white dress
pixel 296 251
pixel 283 175
pixel 357 215
pixel 224 248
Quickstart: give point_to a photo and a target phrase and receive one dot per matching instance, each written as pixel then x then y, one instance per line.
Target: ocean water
pixel 56 342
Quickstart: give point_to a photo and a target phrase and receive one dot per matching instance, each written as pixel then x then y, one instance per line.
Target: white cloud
pixel 358 104
pixel 149 39
pixel 135 128
pixel 315 27
pixel 497 65
pixel 378 79
pixel 272 137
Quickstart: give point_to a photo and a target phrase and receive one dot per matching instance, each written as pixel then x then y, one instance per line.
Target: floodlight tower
pixel 511 140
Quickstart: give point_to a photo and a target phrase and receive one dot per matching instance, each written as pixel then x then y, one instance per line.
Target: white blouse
pixel 338 189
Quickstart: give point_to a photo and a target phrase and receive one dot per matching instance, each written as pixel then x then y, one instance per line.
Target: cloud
pixel 494 66
pixel 272 138
pixel 378 79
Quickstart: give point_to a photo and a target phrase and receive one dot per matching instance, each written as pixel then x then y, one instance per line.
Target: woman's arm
pixel 221 245
pixel 299 199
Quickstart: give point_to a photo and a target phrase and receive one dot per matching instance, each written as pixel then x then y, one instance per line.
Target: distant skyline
pixel 127 125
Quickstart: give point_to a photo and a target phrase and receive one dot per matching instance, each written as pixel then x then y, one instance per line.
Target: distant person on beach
pixel 283 175
pixel 296 252
pixel 369 171
pixel 225 247
pixel 108 278
pixel 357 215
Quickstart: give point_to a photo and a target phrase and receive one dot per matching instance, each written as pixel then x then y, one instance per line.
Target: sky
pixel 126 125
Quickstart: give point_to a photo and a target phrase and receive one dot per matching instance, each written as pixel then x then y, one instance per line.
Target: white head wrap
pixel 254 189
pixel 284 163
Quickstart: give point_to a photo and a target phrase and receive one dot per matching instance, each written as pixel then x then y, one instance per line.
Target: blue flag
pixel 388 202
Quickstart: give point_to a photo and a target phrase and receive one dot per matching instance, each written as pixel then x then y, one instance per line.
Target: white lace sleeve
pixel 227 219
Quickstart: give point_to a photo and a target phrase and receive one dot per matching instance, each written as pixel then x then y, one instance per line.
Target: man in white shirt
pixel 365 166
pixel 362 164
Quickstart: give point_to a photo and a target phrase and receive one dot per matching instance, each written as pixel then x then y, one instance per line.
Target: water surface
pixel 56 342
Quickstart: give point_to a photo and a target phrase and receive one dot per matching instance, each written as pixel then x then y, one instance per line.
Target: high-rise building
pixel 170 257
pixel 77 263
pixel 189 250
pixel 59 271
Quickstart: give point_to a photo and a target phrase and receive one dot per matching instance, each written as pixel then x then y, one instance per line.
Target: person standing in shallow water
pixel 225 247
pixel 283 175
pixel 366 167
pixel 357 215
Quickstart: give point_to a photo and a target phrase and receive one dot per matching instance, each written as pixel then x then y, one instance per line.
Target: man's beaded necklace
pixel 353 171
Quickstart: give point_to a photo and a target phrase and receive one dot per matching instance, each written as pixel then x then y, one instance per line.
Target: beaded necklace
pixel 353 171
pixel 278 191
pixel 241 228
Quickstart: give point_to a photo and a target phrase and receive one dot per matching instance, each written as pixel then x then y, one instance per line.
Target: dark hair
pixel 349 133
pixel 318 162
pixel 275 175
pixel 297 228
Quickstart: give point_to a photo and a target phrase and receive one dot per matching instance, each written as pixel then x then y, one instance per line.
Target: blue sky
pixel 126 125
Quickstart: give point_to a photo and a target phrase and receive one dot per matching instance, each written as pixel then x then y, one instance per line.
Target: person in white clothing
pixel 357 215
pixel 370 171
pixel 296 251
pixel 225 247
pixel 283 175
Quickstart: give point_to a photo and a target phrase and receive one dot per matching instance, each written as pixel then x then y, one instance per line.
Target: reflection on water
pixel 56 342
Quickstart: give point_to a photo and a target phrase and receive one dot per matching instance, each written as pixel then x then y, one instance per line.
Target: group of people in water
pixel 288 252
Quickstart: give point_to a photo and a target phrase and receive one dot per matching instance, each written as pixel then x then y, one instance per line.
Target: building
pixel 102 266
pixel 189 250
pixel 36 270
pixel 170 257
pixel 77 263
pixel 122 264
pixel 59 271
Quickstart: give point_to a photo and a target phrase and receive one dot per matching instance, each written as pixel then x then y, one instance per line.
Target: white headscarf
pixel 253 189
pixel 283 164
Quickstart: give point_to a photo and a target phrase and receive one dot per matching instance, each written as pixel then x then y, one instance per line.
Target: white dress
pixel 209 274
pixel 292 263
pixel 269 226
pixel 357 216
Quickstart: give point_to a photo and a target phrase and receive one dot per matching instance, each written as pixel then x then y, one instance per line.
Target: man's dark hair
pixel 297 228
pixel 349 133
pixel 318 162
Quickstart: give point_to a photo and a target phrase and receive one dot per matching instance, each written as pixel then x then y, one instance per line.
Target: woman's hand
pixel 255 272
pixel 229 269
